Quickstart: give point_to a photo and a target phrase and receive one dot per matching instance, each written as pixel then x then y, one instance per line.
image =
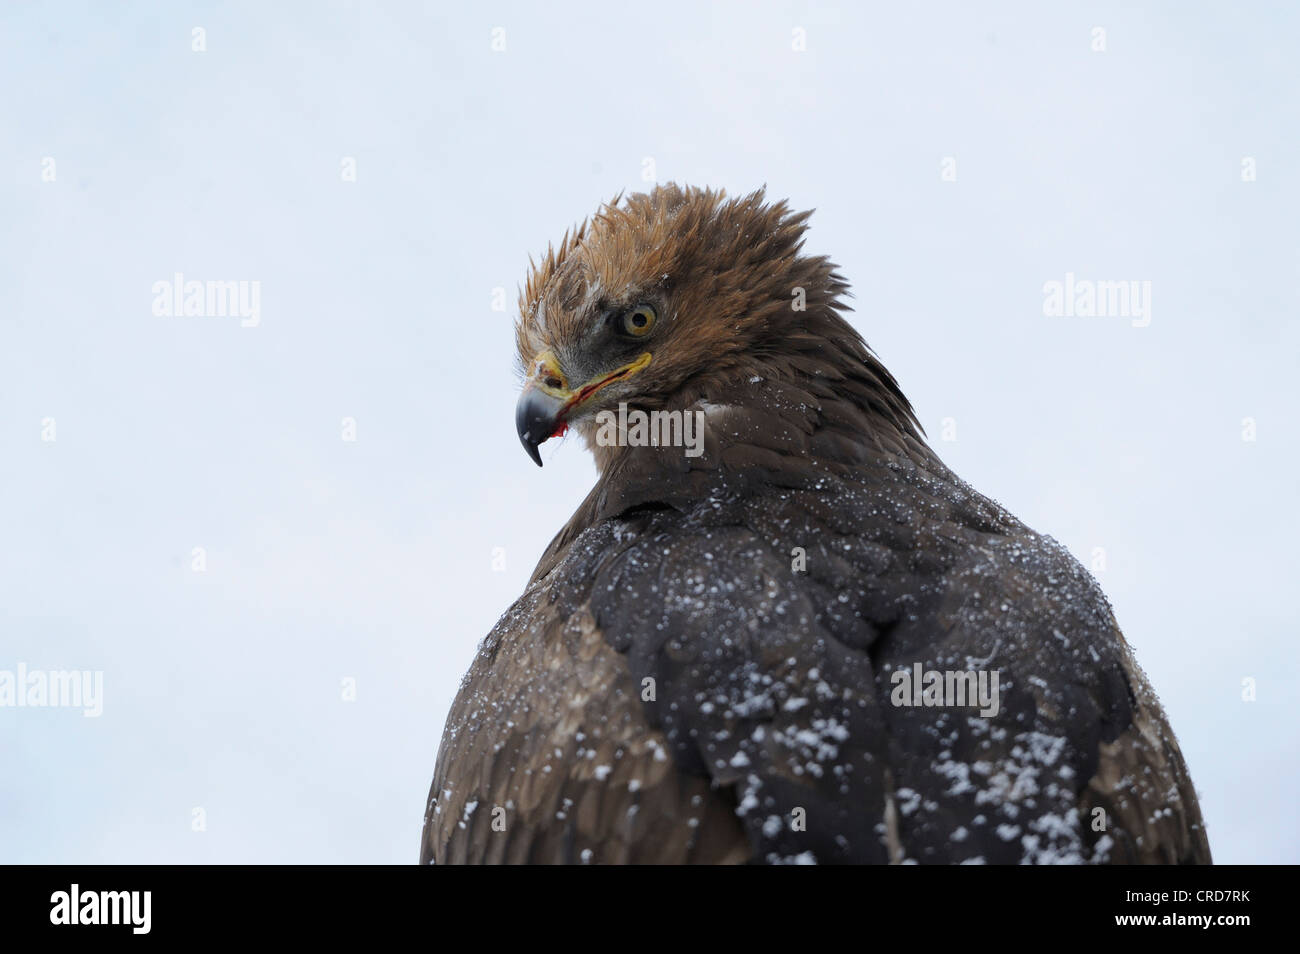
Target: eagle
pixel 779 629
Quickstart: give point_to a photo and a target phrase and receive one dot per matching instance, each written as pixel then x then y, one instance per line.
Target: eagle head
pixel 663 299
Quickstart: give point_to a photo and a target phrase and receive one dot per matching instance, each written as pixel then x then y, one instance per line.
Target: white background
pixel 372 560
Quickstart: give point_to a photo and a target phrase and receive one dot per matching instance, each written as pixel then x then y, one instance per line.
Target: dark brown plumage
pixel 677 685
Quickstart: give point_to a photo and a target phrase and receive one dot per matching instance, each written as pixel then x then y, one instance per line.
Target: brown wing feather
pixel 547 758
pixel 1149 810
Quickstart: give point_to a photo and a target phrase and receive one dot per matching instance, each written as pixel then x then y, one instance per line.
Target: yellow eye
pixel 638 321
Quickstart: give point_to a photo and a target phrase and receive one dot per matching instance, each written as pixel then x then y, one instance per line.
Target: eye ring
pixel 637 322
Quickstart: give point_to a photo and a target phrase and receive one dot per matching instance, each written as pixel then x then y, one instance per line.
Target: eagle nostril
pixel 554 383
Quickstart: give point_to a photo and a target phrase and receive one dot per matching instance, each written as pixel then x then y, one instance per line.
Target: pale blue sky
pixel 372 560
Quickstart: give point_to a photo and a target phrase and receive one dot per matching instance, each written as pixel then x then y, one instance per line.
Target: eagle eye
pixel 637 322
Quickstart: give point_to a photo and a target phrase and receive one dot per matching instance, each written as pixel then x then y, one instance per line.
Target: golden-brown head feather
pixel 735 294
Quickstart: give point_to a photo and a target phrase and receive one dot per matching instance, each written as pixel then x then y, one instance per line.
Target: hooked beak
pixel 547 400
pixel 537 417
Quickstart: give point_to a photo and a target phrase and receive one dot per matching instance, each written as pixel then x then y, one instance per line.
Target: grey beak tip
pixel 536 416
pixel 531 446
